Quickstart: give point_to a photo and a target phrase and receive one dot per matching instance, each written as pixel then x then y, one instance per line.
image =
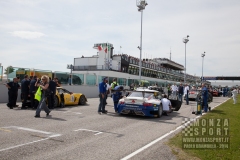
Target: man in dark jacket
pixel 50 97
pixel 25 90
pixel 12 92
pixel 32 91
pixel 102 95
pixel 180 92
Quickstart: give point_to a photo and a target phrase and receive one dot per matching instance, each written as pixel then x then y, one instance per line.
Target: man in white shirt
pixel 234 95
pixel 167 106
pixel 186 90
pixel 107 91
pixel 174 89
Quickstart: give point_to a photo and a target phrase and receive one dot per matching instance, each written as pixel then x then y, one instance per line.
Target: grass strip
pixel 227 110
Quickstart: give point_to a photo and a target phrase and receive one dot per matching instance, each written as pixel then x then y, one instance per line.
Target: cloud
pixel 66 29
pixel 27 34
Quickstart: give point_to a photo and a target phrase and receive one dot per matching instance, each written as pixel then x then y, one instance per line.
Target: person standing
pixel 108 87
pixel 168 90
pixel 174 89
pixel 18 81
pixel 132 87
pixel 45 92
pixel 116 96
pixel 180 92
pixel 224 91
pixel 58 84
pixel 227 92
pixel 102 95
pixel 114 83
pixel 194 87
pixel 70 80
pixel 186 91
pixel 234 95
pixel 32 91
pixel 204 97
pixel 167 106
pixel 25 83
pixel 210 90
pixel 12 92
pixel 50 98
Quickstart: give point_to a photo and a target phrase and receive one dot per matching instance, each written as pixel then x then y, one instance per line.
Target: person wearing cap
pixel 102 95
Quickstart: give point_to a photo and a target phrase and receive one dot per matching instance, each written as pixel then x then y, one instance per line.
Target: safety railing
pixel 80 79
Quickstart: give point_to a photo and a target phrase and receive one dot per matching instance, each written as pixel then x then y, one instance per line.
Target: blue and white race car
pixel 143 102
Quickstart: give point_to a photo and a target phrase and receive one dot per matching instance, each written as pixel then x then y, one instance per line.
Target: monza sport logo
pixel 205 133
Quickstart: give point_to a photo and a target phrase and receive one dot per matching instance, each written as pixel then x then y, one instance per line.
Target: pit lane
pixel 81 133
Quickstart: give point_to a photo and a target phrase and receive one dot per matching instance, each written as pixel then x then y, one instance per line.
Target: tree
pixel 9 70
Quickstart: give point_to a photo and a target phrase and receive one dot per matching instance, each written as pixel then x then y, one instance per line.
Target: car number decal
pixel 135 109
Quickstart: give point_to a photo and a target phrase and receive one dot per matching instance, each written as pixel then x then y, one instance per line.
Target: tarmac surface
pixel 79 132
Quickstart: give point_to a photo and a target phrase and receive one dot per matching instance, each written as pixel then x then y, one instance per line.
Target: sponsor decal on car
pixel 131 106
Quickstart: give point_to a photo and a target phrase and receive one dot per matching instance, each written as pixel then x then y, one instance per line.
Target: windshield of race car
pixel 140 94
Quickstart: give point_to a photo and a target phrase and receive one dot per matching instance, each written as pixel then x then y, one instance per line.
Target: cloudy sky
pixel 45 34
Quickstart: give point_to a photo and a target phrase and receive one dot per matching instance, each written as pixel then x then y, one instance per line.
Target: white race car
pixel 144 102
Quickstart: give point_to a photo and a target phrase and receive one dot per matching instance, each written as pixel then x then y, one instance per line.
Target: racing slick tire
pixel 56 101
pixel 160 111
pixel 176 104
pixel 82 100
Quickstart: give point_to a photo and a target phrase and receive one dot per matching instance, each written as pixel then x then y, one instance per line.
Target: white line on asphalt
pixel 23 144
pixel 97 132
pixel 28 129
pixel 162 137
pixel 55 135
pixel 72 112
